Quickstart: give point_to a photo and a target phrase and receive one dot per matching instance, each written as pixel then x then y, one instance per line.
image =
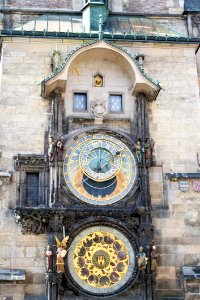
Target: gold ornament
pixel 101 259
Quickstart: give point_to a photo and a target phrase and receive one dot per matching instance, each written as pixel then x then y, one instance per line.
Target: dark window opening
pixel 32 189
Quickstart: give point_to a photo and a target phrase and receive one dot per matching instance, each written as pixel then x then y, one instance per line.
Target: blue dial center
pixel 100 160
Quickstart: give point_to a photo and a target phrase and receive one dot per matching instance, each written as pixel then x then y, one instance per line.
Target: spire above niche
pixel 94 12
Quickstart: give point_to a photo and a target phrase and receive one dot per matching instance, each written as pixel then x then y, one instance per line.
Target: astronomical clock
pixel 100 170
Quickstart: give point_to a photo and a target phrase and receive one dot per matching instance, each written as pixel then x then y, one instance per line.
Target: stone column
pixel 144 202
pixel 55 148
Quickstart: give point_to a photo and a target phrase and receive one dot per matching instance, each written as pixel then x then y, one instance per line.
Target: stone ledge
pixel 182 176
pixel 5 174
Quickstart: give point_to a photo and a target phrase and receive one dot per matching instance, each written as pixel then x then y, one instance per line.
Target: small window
pixel 80 102
pixel 115 103
pixel 32 189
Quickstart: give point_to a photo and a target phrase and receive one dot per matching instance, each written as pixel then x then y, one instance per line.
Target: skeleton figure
pixel 49 259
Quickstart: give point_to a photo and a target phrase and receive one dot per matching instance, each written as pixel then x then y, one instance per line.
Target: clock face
pixel 101 260
pixel 100 161
pixel 99 169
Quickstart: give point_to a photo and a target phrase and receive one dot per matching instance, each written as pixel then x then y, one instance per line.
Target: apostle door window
pixel 115 103
pixel 80 102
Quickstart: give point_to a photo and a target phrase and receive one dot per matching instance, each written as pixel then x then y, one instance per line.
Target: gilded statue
pixel 142 259
pixel 60 254
pixel 139 150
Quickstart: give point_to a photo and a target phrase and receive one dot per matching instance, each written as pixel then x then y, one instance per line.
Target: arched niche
pixel 141 82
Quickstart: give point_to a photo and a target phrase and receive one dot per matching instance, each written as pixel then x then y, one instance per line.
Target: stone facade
pixel 173 7
pixel 174 122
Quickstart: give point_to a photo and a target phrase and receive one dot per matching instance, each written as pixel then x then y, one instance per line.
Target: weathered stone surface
pixel 174 122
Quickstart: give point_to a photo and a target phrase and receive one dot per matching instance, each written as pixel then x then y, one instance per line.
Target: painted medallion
pixel 103 259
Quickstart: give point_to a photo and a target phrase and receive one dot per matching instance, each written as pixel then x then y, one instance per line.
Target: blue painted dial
pixel 99 169
pixel 100 160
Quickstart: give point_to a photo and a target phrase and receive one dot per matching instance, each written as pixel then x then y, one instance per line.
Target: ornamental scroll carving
pixel 29 160
pixel 38 220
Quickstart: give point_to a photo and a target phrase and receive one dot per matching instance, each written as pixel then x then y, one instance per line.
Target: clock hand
pixel 80 183
pixel 101 167
pixel 116 154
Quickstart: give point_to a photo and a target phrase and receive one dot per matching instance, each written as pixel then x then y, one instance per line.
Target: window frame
pixel 30 163
pixel 122 103
pixel 23 183
pixel 80 92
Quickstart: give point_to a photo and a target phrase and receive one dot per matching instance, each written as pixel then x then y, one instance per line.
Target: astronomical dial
pixel 99 169
pixel 100 160
pixel 101 260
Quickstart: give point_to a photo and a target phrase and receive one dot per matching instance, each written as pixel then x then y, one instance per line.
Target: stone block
pixel 192 288
pixel 167 284
pixel 166 272
pixel 189 296
pixel 30 251
pixel 171 260
pixel 191 259
pixel 35 289
pixel 172 294
pixel 39 278
pixel 12 290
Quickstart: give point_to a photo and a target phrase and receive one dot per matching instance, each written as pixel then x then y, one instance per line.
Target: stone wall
pixel 174 126
pixel 149 6
pixel 54 4
pixel 129 6
pixel 174 123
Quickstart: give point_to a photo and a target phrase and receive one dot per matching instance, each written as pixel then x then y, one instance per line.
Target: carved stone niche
pixel 30 166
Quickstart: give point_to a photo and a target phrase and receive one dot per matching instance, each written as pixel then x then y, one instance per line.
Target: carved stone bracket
pixel 32 220
pixel 39 220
